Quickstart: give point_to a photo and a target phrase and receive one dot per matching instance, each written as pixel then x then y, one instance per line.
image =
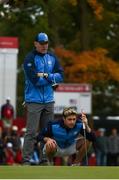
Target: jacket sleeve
pixel 31 73
pixel 46 132
pixel 57 75
pixel 90 136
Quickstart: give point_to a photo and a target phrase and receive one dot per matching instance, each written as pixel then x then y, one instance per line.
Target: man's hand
pixel 85 122
pixel 84 119
pixel 51 145
pixel 45 75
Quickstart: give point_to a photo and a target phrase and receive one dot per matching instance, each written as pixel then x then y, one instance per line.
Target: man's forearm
pixel 88 129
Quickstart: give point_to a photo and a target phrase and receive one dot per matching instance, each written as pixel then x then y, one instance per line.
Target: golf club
pixel 84 129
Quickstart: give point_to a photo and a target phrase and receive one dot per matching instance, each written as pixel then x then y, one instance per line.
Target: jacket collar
pixel 64 126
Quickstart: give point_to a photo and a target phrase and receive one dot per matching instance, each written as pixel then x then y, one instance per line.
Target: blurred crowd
pixel 105 151
pixel 11 144
pixel 107 147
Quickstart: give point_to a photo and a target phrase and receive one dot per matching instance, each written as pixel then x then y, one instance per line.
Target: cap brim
pixel 43 42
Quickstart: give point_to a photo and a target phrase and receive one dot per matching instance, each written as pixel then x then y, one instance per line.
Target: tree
pixel 96 68
pixel 89 66
pixel 84 19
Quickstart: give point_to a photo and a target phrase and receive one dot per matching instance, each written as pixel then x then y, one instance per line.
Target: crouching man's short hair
pixel 69 111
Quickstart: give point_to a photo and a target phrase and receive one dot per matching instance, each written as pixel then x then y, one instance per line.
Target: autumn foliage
pixel 97 8
pixel 94 4
pixel 88 66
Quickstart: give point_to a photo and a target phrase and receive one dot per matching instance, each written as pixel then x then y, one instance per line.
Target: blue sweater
pixel 63 135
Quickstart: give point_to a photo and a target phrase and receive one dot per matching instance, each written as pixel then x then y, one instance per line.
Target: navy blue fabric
pixel 64 136
pixel 39 89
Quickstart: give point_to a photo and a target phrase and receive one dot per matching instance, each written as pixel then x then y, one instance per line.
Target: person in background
pixel 61 137
pixel 2 153
pixel 7 113
pixel 101 148
pixel 16 142
pixel 113 148
pixel 42 72
pixel 22 134
pixel 9 154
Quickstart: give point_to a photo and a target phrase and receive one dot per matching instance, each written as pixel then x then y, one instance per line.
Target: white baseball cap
pixel 9 144
pixel 23 129
pixel 8 98
pixel 14 128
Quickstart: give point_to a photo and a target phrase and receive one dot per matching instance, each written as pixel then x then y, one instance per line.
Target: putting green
pixel 58 172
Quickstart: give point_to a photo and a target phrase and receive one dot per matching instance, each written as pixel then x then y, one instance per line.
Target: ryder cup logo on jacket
pixel 29 64
pixel 75 132
pixel 49 62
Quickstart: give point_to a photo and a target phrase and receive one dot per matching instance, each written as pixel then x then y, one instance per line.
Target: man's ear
pixel 64 118
pixel 35 43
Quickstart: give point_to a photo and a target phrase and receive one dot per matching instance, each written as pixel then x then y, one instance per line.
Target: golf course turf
pixel 58 172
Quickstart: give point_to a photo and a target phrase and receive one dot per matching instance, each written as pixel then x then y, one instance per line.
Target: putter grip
pixel 84 126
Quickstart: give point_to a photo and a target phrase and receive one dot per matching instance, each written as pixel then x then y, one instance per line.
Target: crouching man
pixel 60 137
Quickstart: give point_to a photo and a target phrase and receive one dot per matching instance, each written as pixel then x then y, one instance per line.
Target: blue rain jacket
pixel 39 89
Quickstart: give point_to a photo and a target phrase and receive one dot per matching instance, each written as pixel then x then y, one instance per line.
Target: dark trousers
pixel 38 115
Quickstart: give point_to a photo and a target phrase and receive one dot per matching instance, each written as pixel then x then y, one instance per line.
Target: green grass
pixel 58 172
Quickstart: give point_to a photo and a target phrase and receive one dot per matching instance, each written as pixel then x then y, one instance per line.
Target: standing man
pixel 113 148
pixel 42 71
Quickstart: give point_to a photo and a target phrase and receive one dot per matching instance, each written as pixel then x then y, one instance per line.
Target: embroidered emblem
pixel 75 132
pixel 29 64
pixel 49 62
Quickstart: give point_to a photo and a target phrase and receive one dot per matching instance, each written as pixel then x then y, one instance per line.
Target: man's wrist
pixel 86 124
pixel 88 129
